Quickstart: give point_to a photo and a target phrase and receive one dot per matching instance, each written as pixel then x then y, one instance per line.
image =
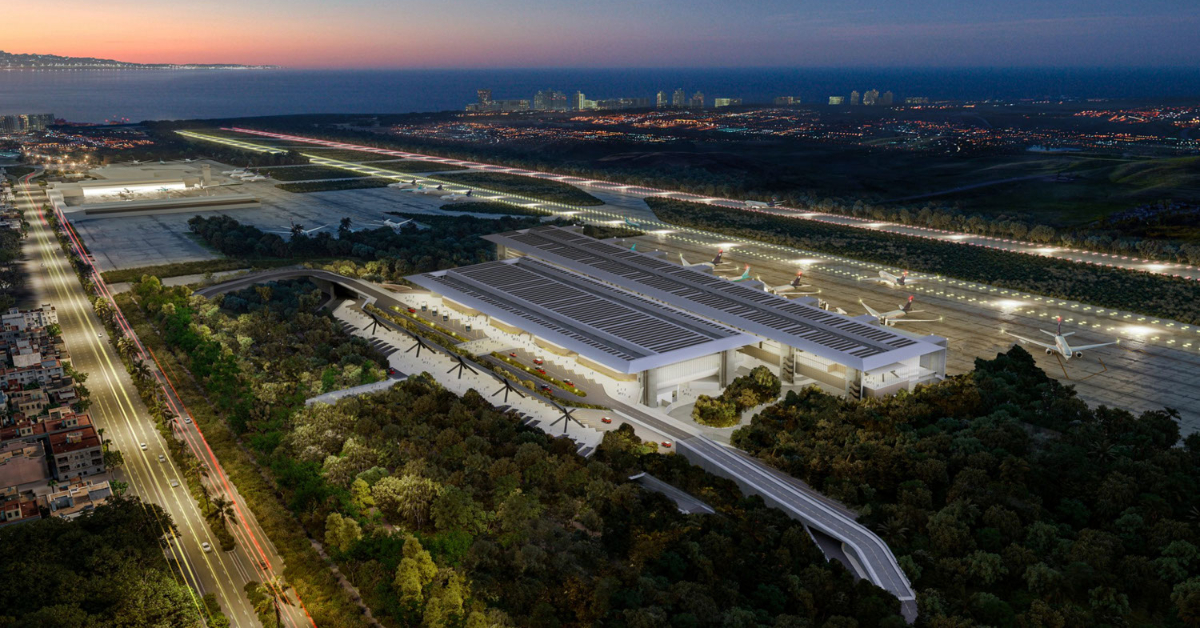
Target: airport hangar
pixel 632 316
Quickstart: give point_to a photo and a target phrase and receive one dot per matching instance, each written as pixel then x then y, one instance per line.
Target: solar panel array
pixel 739 305
pixel 620 324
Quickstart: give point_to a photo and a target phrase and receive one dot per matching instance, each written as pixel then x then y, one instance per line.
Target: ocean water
pixel 90 96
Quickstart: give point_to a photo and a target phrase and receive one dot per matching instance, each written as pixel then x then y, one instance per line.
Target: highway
pixel 118 409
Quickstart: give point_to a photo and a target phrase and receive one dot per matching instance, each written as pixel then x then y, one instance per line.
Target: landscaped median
pixel 327 602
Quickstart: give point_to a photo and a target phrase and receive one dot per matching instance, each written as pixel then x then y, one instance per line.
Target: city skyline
pixel 621 33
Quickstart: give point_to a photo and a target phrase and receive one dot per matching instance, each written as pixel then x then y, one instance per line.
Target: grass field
pixel 304 173
pixel 553 191
pixel 333 186
pixel 193 268
pixel 343 154
pixel 1087 190
pixel 486 207
pixel 416 165
pixel 17 172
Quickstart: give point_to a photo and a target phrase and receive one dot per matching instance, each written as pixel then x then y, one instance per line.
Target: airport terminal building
pixel 639 319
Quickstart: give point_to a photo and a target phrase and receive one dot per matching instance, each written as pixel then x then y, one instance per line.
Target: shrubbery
pixel 743 393
pixel 1007 500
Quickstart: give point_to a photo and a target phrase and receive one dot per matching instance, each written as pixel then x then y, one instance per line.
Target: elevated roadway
pixel 870 556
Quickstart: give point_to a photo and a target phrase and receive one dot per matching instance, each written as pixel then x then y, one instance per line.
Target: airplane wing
pixel 1036 342
pixel 913 320
pixel 1086 347
pixel 871 310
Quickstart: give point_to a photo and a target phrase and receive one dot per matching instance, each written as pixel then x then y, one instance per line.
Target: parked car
pixel 512 354
pixel 605 419
pixel 569 383
pixel 542 371
pixel 547 388
pixel 666 443
pixel 539 361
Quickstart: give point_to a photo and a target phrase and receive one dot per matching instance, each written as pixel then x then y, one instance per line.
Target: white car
pixel 162 458
pixel 187 419
pixel 174 483
pixel 143 446
pixel 206 547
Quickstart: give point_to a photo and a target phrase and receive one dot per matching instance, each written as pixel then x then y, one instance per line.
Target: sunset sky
pixel 617 33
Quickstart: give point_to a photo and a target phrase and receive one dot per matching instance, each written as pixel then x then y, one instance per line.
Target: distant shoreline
pixel 140 68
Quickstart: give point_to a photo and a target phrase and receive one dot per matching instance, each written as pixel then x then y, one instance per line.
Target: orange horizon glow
pixel 610 33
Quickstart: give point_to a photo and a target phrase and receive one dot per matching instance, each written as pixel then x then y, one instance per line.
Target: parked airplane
pixel 257 177
pixel 716 261
pixel 792 288
pixel 759 204
pixel 888 319
pixel 299 228
pixel 403 185
pixel 632 224
pixel 388 223
pixel 745 276
pixel 892 280
pixel 1060 346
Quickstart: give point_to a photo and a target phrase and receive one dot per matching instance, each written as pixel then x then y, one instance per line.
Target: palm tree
pixel 222 510
pixel 274 596
pixel 140 371
pixel 103 442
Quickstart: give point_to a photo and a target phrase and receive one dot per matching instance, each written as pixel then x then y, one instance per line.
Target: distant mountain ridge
pixel 15 61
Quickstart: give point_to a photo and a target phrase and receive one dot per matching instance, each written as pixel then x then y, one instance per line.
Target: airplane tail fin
pixel 1070 333
pixel 683 261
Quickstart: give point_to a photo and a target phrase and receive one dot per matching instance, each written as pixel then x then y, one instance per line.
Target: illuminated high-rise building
pixel 485 96
pixel 855 98
pixel 837 100
pixel 697 101
pixel 871 97
pixel 679 98
pixel 662 101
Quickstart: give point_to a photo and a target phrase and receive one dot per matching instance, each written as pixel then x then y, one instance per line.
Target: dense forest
pixel 1134 291
pixel 441 242
pixel 446 512
pixel 12 276
pixel 105 569
pixel 1008 501
pixel 442 509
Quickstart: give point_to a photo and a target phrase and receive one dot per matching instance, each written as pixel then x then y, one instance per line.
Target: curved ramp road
pixel 874 561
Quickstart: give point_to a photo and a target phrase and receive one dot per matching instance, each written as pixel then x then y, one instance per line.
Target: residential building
pixel 887 99
pixel 916 100
pixel 551 100
pixel 697 101
pixel 485 96
pixel 662 101
pixel 23 466
pixel 871 98
pixel 77 498
pixel 837 100
pixel 726 102
pixel 77 453
pixel 785 101
pixel 855 98
pixel 28 319
pixel 679 98
pixel 19 508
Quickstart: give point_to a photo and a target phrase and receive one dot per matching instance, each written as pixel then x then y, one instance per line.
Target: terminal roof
pixel 806 327
pixel 613 327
